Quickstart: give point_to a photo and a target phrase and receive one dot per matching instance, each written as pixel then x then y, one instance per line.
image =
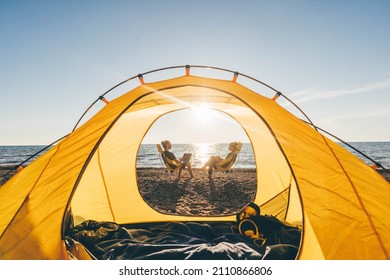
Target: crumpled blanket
pixel 173 241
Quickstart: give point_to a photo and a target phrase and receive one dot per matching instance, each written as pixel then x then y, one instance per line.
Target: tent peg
pixel 374 166
pixel 19 168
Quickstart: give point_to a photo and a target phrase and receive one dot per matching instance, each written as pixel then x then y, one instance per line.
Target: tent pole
pixel 19 166
pixel 358 151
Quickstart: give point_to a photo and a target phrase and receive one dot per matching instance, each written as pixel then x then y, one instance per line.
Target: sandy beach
pixel 226 193
pixel 6 173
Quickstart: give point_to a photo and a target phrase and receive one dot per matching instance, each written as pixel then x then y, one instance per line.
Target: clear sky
pixel 330 57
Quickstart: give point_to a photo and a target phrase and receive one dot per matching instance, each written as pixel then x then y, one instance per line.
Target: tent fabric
pixel 303 177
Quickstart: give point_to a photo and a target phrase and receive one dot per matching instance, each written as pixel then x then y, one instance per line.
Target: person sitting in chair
pixel 217 162
pixel 177 163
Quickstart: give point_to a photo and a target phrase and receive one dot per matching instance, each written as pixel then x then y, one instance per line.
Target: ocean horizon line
pixel 212 143
pixel 369 152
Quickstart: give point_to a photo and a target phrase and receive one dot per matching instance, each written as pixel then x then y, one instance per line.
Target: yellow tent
pixel 341 203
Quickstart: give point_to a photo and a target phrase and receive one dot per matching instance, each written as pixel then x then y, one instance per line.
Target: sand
pixel 225 194
pixel 6 172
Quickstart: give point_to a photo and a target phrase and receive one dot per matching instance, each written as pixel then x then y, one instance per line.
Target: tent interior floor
pixel 181 241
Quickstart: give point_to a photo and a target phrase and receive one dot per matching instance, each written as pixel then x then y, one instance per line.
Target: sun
pixel 202 113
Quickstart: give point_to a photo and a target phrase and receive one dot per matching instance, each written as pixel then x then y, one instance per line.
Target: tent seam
pixel 28 194
pixel 371 222
pixel 105 184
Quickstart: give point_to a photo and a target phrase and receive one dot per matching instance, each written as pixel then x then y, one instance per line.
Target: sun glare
pixel 203 151
pixel 202 113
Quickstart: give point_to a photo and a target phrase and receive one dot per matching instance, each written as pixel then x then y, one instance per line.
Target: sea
pixel 148 156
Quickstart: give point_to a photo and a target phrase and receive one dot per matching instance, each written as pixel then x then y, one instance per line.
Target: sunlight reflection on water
pixel 203 152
